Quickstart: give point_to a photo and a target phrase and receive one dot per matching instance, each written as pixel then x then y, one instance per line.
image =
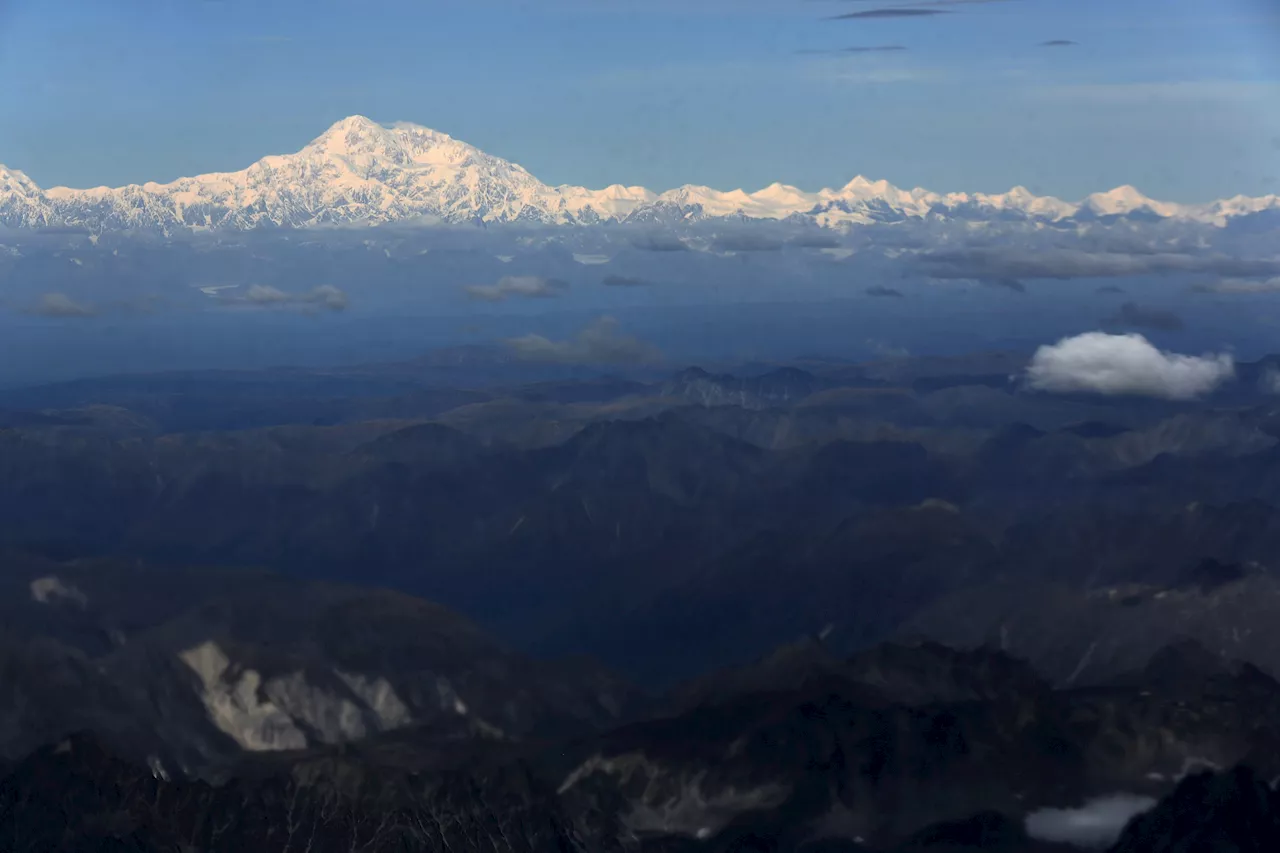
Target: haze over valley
pixel 743 426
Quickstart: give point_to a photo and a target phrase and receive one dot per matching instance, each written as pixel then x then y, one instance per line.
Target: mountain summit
pixel 359 172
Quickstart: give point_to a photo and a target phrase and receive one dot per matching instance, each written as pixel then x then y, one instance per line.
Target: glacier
pixel 361 173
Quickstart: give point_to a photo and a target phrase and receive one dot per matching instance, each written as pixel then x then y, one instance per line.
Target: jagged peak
pixel 405 170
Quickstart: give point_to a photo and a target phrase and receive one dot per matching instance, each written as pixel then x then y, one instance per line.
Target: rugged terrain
pixel 651 520
pixel 347 608
pixel 361 172
pixel 878 752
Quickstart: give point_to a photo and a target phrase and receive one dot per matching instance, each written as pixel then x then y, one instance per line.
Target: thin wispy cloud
pixel 872 14
pixel 746 241
pixel 924 4
pixel 326 297
pixel 1063 264
pixel 1004 284
pixel 1058 43
pixel 61 305
pixel 1205 91
pixel 600 342
pixel 527 286
pixel 879 290
pixel 1241 285
pixel 855 49
pixel 660 243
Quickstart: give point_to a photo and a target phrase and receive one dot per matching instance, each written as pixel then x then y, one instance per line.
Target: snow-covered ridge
pixel 361 172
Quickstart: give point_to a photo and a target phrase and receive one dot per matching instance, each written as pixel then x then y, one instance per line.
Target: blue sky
pixel 1178 97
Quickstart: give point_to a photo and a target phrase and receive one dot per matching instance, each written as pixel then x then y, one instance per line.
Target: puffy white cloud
pixel 1125 364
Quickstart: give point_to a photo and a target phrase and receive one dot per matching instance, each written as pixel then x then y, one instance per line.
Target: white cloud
pixel 1125 364
pixel 1098 823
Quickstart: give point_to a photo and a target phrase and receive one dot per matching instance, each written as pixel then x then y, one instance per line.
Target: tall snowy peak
pixel 360 172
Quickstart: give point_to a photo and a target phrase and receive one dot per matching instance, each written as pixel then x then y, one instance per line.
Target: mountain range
pixel 804 607
pixel 359 172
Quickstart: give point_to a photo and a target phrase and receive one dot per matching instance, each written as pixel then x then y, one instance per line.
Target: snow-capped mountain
pixel 361 172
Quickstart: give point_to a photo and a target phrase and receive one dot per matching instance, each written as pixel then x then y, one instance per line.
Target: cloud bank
pixel 600 342
pixel 1102 363
pixel 525 286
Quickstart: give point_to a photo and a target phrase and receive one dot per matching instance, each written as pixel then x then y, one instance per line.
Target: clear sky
pixel 1178 97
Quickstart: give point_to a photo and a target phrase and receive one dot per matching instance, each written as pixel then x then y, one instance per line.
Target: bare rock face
pixel 898 749
pixel 194 670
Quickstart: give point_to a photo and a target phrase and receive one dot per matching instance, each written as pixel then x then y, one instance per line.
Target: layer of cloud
pixel 1110 289
pixel 1058 43
pixel 815 241
pixel 660 243
pixel 1062 263
pixel 61 305
pixel 1097 824
pixel 524 286
pixel 1103 363
pixel 746 241
pixel 624 281
pixel 326 297
pixel 879 290
pixel 1133 315
pixel 1241 285
pixel 601 342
